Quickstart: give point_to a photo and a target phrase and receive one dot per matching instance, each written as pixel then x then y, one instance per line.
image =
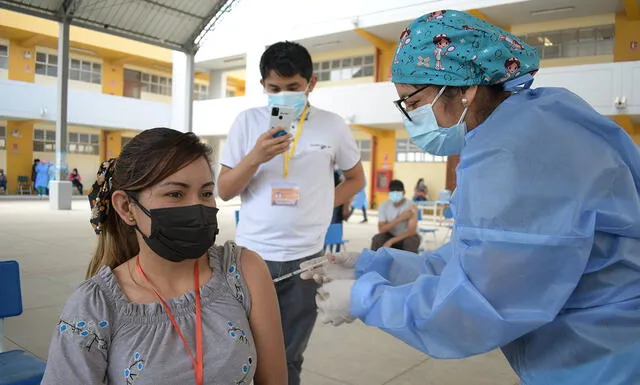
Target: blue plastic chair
pixel 334 237
pixel 448 216
pixel 16 366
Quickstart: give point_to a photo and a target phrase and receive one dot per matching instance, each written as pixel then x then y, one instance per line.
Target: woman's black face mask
pixel 181 233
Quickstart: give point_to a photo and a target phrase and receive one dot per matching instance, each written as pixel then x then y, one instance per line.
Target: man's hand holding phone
pixel 269 145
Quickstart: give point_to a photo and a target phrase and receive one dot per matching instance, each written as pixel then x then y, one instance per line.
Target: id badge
pixel 285 194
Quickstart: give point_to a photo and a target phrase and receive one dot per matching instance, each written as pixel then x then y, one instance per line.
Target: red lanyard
pixel 197 363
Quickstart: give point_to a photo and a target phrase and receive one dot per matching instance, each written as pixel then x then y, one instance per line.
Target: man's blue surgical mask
pixel 396 196
pixel 297 100
pixel 425 132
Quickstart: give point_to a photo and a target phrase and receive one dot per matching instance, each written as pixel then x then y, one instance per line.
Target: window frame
pixel 345 68
pixel 407 152
pixel 4 58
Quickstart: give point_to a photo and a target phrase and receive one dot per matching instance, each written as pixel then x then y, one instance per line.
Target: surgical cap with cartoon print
pixel 455 48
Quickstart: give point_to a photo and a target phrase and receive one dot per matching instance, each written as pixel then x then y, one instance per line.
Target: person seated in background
pixel 420 191
pixel 3 182
pixel 75 178
pixel 397 221
pixel 342 212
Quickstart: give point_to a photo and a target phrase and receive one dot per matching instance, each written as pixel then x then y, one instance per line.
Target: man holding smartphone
pixel 285 180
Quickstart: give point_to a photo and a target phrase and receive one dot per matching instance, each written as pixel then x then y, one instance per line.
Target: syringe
pixel 300 271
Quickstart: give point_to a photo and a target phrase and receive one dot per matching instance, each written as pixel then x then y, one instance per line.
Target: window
pixel 200 91
pixel 3 137
pixel 344 69
pixel 4 56
pixel 44 140
pixel 408 152
pixel 85 71
pixel 46 64
pixel 80 143
pixel 364 145
pixel 230 93
pixel 575 42
pixel 156 84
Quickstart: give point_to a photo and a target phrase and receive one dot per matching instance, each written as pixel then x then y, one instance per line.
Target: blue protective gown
pixel 544 259
pixel 42 175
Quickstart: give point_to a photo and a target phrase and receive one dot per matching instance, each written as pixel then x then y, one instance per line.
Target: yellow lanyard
pixel 288 155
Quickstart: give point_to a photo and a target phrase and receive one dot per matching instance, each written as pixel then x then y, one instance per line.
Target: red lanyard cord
pixel 196 361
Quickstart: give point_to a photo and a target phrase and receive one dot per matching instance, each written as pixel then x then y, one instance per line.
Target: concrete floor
pixel 54 247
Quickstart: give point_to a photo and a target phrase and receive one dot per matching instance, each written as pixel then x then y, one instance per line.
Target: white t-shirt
pixel 388 211
pixel 282 233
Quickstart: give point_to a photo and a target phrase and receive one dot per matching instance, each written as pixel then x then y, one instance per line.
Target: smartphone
pixel 283 117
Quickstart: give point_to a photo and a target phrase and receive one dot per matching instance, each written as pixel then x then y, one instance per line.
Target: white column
pixel 217 84
pixel 182 91
pixel 60 190
pixel 253 77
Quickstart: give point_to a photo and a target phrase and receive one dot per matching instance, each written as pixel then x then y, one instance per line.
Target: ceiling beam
pixel 632 9
pixel 481 15
pixel 376 40
pixel 33 40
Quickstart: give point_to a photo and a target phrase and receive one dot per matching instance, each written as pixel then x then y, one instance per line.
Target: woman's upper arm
pixel 265 321
pixel 81 339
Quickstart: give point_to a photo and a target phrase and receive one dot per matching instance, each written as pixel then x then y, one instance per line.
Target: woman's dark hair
pixel 287 59
pixel 150 157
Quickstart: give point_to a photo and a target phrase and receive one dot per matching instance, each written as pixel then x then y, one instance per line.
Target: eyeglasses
pixel 401 103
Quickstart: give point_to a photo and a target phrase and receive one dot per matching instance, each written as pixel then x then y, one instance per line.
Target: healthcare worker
pixel 544 260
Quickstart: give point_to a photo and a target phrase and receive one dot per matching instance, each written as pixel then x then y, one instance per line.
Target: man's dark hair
pixel 287 59
pixel 36 160
pixel 396 185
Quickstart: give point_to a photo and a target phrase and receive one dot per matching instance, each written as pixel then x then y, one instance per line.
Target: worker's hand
pixel 267 147
pixel 340 266
pixel 334 302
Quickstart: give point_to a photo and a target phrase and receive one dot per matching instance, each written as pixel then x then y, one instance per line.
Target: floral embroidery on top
pixel 85 329
pixel 246 369
pixel 236 333
pixel 233 277
pixel 134 369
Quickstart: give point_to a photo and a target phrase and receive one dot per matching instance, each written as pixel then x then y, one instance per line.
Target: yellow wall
pixel 112 78
pixel 434 174
pixel 19 152
pixel 21 62
pixel 627 30
pixel 383 155
pixel 49 29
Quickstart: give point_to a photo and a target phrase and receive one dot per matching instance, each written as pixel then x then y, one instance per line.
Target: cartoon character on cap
pixel 437 15
pixel 405 40
pixel 512 65
pixel 514 43
pixel 443 47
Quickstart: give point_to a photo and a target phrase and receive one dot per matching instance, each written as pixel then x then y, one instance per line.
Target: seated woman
pixel 163 304
pixel 420 192
pixel 76 179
